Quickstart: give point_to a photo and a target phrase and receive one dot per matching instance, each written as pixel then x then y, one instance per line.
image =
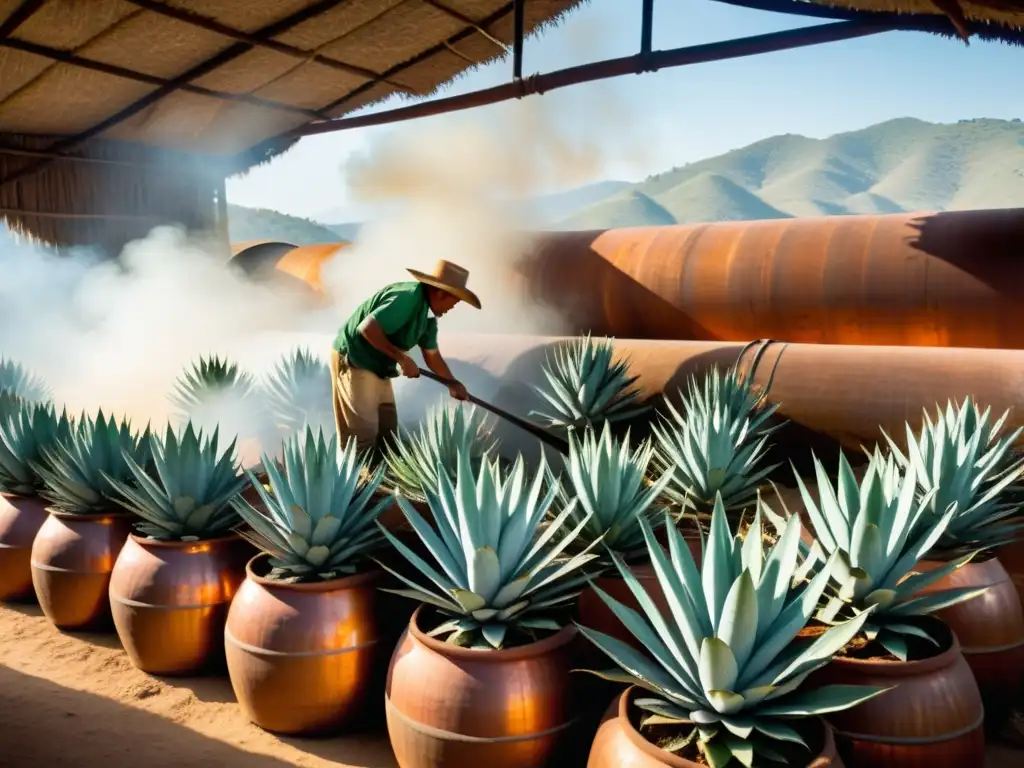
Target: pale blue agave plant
pixel 23 383
pixel 726 662
pixel 298 392
pixel 494 570
pixel 25 433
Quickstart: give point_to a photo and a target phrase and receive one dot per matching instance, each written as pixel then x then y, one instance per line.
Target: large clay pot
pixel 72 558
pixel 21 517
pixel 989 627
pixel 618 744
pixel 170 600
pixel 304 658
pixel 933 718
pixel 1012 557
pixel 451 707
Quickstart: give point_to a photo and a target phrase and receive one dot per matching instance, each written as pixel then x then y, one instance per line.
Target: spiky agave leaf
pixel 189 499
pixel 319 519
pixel 415 461
pixel 77 471
pixel 876 532
pixel 963 458
pixel 585 387
pixel 492 572
pixel 20 381
pixel 25 433
pixel 717 443
pixel 726 661
pixel 216 393
pixel 298 392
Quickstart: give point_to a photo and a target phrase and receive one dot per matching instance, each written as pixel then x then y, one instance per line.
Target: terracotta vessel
pixel 72 559
pixel 170 600
pixel 304 658
pixel 618 744
pixel 21 517
pixel 933 718
pixel 990 627
pixel 1012 557
pixel 451 707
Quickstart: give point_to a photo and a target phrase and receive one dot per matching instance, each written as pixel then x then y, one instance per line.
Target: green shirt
pixel 401 309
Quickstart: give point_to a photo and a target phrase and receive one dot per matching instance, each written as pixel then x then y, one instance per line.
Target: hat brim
pixel 462 294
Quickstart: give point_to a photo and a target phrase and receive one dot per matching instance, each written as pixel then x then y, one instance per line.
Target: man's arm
pixel 436 363
pixel 375 330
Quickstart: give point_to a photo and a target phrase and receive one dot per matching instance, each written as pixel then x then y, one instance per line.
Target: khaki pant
pixel 364 406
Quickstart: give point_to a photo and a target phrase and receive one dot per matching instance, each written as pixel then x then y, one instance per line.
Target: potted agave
pixel 26 430
pixel 306 633
pixel 480 677
pixel 22 383
pixel 298 394
pixel 176 575
pixel 74 552
pixel 722 682
pixel 876 532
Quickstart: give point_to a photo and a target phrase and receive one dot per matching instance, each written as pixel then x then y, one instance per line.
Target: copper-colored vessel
pixel 170 600
pixel 932 717
pixel 306 659
pixel 450 707
pixel 618 744
pixel 21 517
pixel 72 559
pixel 990 627
pixel 1012 557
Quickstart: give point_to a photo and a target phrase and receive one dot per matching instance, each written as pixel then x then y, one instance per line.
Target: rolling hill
pixel 263 224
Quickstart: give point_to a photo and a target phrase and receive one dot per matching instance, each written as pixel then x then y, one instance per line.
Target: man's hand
pixel 458 390
pixel 409 367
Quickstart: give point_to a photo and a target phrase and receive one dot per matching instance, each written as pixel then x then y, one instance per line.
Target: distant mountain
pixel 620 210
pixel 263 224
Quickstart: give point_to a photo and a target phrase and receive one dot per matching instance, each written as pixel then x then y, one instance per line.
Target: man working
pixel 371 348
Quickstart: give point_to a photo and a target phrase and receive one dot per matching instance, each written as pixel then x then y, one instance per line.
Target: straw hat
pixel 451 278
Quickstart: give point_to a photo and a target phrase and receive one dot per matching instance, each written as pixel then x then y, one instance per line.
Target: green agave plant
pixel 25 433
pixel 718 443
pixel 298 392
pixel 727 661
pixel 584 387
pixel 18 380
pixel 416 461
pixel 78 470
pixel 609 480
pixel 964 459
pixel 214 392
pixel 319 520
pixel 876 532
pixel 498 580
pixel 190 497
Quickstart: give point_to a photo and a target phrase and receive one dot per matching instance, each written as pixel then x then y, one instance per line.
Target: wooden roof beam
pixel 61 157
pixel 462 18
pixel 21 14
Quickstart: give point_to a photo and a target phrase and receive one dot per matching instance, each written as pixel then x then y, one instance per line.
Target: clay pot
pixel 303 659
pixel 72 558
pixel 618 744
pixel 21 517
pixel 451 707
pixel 989 627
pixel 170 600
pixel 933 717
pixel 1012 557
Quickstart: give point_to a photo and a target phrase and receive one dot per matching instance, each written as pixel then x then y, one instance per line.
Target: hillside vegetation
pixel 263 224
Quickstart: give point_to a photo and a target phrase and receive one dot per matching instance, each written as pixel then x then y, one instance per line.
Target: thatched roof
pixel 211 78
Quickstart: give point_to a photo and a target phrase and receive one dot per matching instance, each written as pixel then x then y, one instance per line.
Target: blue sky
pixel 681 115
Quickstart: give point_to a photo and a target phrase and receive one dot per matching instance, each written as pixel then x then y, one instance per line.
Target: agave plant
pixel 495 579
pixel 584 387
pixel 192 499
pixel 18 380
pixel 319 520
pixel 77 471
pixel 9 404
pixel 25 433
pixel 718 443
pixel 298 392
pixel 726 663
pixel 609 480
pixel 215 392
pixel 876 533
pixel 964 459
pixel 415 462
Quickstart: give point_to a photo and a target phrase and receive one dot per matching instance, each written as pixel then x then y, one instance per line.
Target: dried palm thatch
pixel 165 98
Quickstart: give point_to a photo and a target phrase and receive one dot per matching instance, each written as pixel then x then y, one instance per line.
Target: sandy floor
pixel 76 700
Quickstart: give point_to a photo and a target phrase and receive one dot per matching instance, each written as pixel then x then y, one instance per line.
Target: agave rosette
pixel 214 393
pixel 319 519
pixel 727 659
pixel 77 471
pixel 966 460
pixel 585 387
pixel 25 432
pixel 876 532
pixel 23 383
pixel 298 392
pixel 493 571
pixel 190 497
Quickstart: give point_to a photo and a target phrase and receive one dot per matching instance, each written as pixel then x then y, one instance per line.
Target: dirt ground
pixel 76 700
